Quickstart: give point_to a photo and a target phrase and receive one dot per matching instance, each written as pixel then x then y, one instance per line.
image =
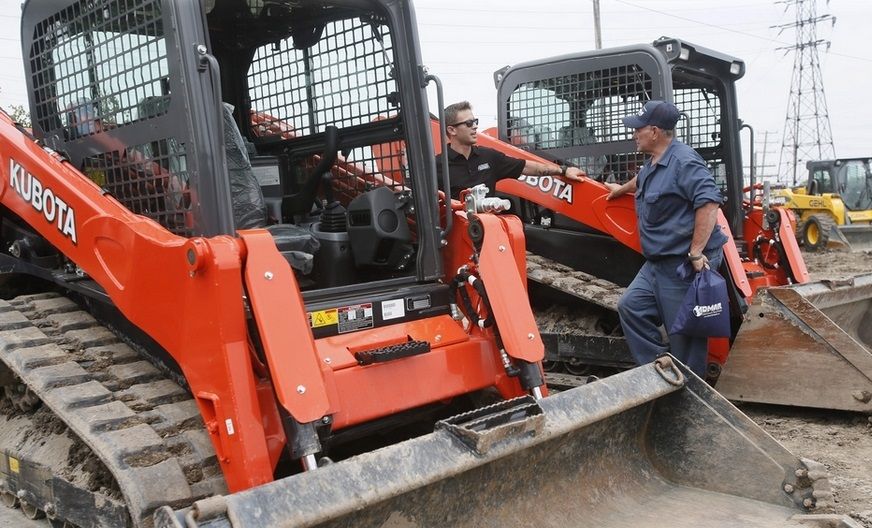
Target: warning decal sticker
pixel 355 317
pixel 323 318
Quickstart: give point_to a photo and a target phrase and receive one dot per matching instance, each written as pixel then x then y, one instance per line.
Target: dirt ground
pixel 841 441
pixel 837 264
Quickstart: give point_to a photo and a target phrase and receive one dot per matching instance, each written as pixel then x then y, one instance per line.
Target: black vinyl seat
pixel 296 244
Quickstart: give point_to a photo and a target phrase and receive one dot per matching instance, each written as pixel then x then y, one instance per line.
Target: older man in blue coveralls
pixel 677 203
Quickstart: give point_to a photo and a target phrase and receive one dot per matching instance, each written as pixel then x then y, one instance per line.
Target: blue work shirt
pixel 668 193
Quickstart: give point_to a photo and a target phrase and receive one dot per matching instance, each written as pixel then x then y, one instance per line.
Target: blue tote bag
pixel 705 310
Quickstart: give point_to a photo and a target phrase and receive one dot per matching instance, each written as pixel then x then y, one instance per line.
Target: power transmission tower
pixel 807 133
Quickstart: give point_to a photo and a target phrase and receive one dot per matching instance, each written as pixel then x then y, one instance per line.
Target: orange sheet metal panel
pixel 381 389
pixel 338 351
pixel 733 259
pixel 283 325
pixel 506 293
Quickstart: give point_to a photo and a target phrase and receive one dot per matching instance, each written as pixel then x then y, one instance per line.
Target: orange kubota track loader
pixel 793 342
pixel 223 298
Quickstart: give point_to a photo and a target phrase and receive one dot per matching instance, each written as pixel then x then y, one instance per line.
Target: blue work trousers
pixel 651 301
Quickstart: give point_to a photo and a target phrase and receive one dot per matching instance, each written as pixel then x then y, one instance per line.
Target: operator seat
pixel 295 243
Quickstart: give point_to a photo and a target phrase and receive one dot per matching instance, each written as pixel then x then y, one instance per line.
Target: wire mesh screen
pixel 93 66
pixel 362 169
pixel 719 170
pixel 614 168
pixel 345 79
pixel 701 127
pixel 577 109
pixel 150 179
pixel 703 108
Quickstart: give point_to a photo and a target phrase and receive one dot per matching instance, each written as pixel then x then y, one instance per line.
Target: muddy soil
pixel 841 441
pixel 837 264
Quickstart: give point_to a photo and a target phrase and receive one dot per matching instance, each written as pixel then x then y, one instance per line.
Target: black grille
pixel 345 79
pixel 701 126
pixel 573 117
pixel 96 68
pixel 578 109
pixel 581 110
pixel 703 108
pixel 150 179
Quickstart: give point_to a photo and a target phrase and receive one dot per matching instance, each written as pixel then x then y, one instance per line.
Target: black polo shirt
pixel 485 165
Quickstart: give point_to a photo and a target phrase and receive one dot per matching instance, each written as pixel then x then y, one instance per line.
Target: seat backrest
pixel 570 136
pixel 249 209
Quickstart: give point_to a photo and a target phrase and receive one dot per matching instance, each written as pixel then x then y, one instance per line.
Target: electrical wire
pixel 744 33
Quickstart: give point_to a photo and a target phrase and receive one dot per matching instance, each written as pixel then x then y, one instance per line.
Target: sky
pixel 464 42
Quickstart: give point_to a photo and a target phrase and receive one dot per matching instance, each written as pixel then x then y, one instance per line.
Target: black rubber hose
pixel 479 287
pixel 457 286
pixel 779 249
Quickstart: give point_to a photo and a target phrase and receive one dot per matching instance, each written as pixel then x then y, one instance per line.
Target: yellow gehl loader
pixel 834 209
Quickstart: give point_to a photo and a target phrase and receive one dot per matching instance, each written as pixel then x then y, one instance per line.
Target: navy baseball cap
pixel 657 113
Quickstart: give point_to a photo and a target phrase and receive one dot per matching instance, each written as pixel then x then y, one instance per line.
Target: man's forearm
pixel 535 168
pixel 703 224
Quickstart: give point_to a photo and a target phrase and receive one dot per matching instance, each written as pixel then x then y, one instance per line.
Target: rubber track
pixel 145 429
pixel 562 381
pixel 597 295
pixel 576 283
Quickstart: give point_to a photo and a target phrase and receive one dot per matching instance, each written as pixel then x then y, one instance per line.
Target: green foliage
pixel 109 109
pixel 20 115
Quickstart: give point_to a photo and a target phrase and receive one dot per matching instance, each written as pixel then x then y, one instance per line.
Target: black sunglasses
pixel 469 122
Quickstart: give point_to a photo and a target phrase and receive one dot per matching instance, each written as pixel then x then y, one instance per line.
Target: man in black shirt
pixel 470 165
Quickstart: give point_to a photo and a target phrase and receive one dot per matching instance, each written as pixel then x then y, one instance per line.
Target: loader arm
pixel 505 282
pixel 489 249
pixel 584 202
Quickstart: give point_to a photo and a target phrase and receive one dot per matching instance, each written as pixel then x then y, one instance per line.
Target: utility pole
pixel 763 154
pixel 762 168
pixel 807 133
pixel 597 29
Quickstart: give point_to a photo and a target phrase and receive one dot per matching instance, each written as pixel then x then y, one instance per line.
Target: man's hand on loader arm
pixel 616 190
pixel 574 174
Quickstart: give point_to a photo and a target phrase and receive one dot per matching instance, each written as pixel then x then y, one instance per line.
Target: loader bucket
pixel 857 237
pixel 649 447
pixel 806 345
pixel 837 240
